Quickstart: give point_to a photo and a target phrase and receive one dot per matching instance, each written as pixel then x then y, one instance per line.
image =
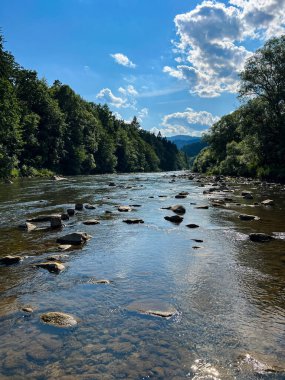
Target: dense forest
pixel 45 129
pixel 251 140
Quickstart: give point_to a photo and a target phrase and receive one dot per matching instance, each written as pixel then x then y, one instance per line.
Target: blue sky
pixel 173 63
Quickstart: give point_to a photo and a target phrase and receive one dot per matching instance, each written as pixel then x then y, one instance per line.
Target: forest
pixel 51 129
pixel 251 140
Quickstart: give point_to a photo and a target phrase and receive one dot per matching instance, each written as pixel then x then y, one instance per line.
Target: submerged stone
pixel 248 217
pixel 155 308
pixel 59 319
pixel 91 222
pixel 260 365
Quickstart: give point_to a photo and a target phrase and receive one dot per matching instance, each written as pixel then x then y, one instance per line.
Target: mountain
pixel 182 140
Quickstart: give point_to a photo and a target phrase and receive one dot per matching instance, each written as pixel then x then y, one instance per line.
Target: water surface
pixel 229 293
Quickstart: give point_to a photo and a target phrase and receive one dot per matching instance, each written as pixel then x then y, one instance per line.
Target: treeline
pixel 47 129
pixel 251 140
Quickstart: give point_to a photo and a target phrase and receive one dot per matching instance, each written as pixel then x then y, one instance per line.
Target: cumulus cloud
pixel 123 60
pixel 189 122
pixel 127 98
pixel 210 41
pixel 107 96
pixel 128 90
pixel 142 114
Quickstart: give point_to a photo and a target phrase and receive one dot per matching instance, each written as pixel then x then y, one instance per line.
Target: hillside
pixel 181 140
pixel 46 129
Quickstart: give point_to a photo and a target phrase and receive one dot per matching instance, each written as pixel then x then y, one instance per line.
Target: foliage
pixel 50 128
pixel 251 140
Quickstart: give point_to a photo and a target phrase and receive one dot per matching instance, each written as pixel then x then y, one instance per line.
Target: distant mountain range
pixel 181 140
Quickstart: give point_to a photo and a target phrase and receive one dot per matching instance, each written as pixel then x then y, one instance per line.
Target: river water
pixel 229 293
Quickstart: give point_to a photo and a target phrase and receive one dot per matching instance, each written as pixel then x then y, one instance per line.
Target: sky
pixel 172 63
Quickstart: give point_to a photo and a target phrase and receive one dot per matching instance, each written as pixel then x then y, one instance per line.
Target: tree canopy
pixel 251 140
pixel 51 128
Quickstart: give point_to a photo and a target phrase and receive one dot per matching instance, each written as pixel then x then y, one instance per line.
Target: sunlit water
pixel 229 293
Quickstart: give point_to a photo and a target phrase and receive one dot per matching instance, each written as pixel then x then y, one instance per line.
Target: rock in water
pixel 202 207
pixel 65 216
pixel 180 196
pixel 43 218
pixel 27 226
pixel 27 309
pixel 248 217
pixel 178 209
pixel 260 237
pixel 260 365
pixel 70 211
pixel 155 308
pixel 90 207
pixel 174 219
pixel 124 208
pixel 133 221
pixel 75 238
pixel 192 225
pixel 79 206
pixel 59 319
pixel 56 222
pixel 54 267
pixel 267 202
pixel 91 222
pixel 9 260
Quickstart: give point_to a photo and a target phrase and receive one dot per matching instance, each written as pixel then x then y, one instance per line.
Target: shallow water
pixel 229 294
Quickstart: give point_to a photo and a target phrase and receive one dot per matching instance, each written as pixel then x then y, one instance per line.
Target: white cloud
pixel 107 96
pixel 210 37
pixel 189 122
pixel 127 99
pixel 142 114
pixel 128 90
pixel 123 60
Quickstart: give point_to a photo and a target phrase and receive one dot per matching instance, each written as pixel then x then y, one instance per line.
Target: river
pixel 229 293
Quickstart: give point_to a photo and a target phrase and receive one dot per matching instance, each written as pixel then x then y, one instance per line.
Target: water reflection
pixel 229 294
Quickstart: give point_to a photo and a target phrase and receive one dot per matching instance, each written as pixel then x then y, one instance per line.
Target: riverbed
pixel 227 292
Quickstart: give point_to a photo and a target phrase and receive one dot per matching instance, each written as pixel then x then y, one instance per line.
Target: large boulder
pixel 260 237
pixel 79 206
pixel 59 319
pixel 75 238
pixel 174 219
